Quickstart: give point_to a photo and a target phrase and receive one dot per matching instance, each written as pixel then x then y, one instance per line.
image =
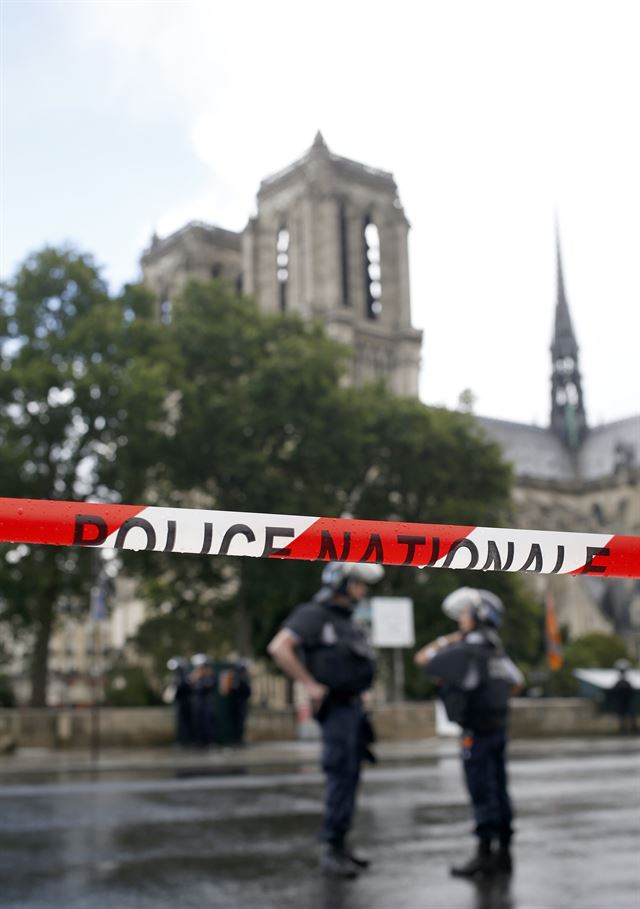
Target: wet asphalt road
pixel 248 840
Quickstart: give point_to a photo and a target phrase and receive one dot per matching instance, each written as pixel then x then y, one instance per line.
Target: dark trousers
pixel 341 758
pixel 239 709
pixel 203 719
pixel 627 723
pixel 184 722
pixel 484 762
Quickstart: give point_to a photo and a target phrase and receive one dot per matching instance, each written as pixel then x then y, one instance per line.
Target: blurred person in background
pixel 622 696
pixel 477 678
pixel 239 694
pixel 203 683
pixel 182 700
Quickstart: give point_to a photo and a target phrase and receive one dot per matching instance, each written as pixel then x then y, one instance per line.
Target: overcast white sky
pixel 125 117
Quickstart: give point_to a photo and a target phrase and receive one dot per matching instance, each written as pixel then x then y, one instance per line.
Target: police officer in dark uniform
pixel 203 683
pixel 320 646
pixel 239 694
pixel 477 678
pixel 622 696
pixel 182 700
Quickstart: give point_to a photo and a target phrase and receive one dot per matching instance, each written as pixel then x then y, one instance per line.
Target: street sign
pixel 392 622
pixel 98 603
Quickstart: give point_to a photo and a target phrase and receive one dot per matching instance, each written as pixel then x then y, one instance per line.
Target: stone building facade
pixel 329 242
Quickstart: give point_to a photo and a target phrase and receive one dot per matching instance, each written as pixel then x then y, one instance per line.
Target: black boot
pixel 357 858
pixel 503 859
pixel 481 865
pixel 334 862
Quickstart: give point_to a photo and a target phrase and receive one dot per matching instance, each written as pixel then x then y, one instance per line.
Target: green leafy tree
pixel 265 424
pixel 262 425
pixel 83 389
pixel 225 408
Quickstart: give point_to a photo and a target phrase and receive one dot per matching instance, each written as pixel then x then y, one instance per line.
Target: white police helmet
pixel 199 659
pixel 176 663
pixel 486 607
pixel 337 574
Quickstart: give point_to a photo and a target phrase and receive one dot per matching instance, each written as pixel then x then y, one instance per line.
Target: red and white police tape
pixel 297 537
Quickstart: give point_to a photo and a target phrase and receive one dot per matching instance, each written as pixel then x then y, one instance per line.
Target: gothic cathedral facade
pixel 329 242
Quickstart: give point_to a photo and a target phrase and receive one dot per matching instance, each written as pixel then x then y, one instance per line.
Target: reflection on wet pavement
pixel 248 840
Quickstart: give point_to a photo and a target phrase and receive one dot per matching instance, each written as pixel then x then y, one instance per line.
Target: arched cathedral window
pixel 282 266
pixel 567 394
pixel 372 270
pixel 565 365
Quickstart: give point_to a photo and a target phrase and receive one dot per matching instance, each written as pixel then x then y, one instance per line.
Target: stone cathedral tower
pixel 329 241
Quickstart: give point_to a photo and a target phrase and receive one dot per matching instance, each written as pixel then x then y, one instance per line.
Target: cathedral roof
pixel 534 451
pixel 610 448
pixel 207 233
pixel 537 453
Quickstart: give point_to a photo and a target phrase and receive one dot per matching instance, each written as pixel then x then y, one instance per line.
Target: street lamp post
pixel 98 615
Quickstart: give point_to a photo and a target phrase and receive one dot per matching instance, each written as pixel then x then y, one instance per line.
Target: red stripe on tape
pixel 390 542
pixel 36 521
pixel 620 558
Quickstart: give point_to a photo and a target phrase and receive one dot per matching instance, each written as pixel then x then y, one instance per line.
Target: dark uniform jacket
pixel 333 648
pixel 476 678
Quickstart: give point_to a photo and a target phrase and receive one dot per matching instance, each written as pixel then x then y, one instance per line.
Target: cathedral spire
pixel 319 142
pixel 564 339
pixel 568 418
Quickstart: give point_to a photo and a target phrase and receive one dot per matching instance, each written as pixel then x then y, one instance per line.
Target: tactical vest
pixel 343 660
pixel 480 703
